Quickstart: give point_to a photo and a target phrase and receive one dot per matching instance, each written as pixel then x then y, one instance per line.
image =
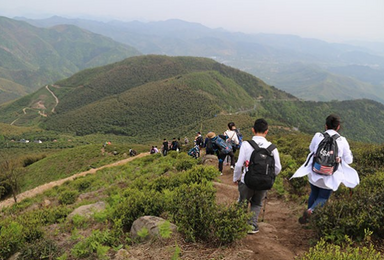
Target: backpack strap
pixel 309 158
pixel 255 146
pixel 270 148
pixel 335 137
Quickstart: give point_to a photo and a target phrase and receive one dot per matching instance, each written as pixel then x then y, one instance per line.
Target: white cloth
pixel 232 136
pixel 344 174
pixel 245 155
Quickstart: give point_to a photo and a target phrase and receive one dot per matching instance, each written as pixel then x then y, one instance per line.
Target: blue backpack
pixel 223 146
pixel 240 137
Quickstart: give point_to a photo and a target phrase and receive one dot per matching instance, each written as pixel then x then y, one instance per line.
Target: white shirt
pixel 245 155
pixel 344 174
pixel 232 136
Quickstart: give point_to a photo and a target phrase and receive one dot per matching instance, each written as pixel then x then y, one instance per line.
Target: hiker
pixel 152 151
pixel 186 141
pixel 210 147
pixel 132 152
pixel 199 140
pixel 165 147
pixel 323 185
pixel 194 152
pixel 156 149
pixel 221 148
pixel 233 140
pixel 175 145
pixel 253 196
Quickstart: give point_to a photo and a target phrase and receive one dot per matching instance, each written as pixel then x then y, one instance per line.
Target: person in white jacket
pixel 255 197
pixel 321 185
pixel 232 138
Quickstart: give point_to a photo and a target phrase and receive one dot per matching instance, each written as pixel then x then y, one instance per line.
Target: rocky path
pixel 281 236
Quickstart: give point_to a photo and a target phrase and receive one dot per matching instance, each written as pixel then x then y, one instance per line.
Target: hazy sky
pixel 332 20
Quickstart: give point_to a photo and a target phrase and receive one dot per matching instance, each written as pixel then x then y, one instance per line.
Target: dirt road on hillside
pixel 40 189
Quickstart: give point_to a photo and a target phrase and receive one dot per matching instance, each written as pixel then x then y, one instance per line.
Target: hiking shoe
pixel 305 218
pixel 253 229
pixel 232 167
pixel 221 173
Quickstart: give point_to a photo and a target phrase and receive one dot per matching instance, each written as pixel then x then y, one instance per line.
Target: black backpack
pixel 261 168
pixel 209 147
pixel 199 141
pixel 174 145
pixel 324 160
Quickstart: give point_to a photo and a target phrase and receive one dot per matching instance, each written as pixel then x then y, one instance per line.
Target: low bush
pixel 199 218
pixel 40 249
pixel 192 210
pixel 68 197
pixel 137 203
pixel 11 239
pixel 96 245
pixel 353 213
pixel 325 251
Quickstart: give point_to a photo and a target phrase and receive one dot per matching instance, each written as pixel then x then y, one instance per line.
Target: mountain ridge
pixel 148 97
pixel 259 54
pixel 32 56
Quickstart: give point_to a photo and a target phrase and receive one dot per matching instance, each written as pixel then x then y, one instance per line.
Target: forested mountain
pixel 31 57
pixel 149 97
pixel 134 96
pixel 269 57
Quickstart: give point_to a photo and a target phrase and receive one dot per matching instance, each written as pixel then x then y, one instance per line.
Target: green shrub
pixel 98 243
pixel 80 221
pixel 325 251
pixel 353 214
pixel 183 165
pixel 40 249
pixel 230 224
pixel 199 174
pixel 11 239
pixel 68 197
pixel 137 203
pixel 193 209
pixel 83 183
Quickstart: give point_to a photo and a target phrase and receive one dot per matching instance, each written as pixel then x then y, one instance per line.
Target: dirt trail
pixel 40 189
pixel 281 236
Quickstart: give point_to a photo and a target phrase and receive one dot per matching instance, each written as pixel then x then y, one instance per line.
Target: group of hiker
pixel 258 164
pixel 175 145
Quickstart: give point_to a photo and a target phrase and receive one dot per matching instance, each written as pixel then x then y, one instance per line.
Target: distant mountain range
pixel 31 57
pixel 308 68
pixel 150 97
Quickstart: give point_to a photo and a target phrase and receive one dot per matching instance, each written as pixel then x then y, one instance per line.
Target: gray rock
pixel 152 224
pixel 88 210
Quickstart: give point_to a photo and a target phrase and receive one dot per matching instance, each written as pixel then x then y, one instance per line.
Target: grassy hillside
pixel 132 96
pixel 10 90
pixel 32 56
pixel 148 98
pixel 361 119
pixel 176 188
